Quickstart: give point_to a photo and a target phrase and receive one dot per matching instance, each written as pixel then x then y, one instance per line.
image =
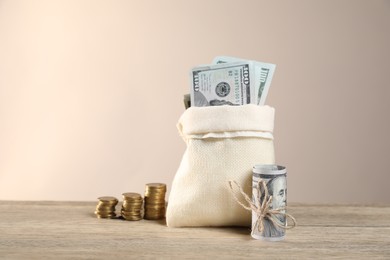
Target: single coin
pixel 131 195
pixel 107 199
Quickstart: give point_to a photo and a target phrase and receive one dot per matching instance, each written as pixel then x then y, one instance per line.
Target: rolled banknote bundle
pixel 263 73
pixel 269 194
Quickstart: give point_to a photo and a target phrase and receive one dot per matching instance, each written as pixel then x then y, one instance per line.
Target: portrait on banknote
pixel 277 188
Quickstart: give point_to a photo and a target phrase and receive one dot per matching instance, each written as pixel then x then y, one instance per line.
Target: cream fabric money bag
pixel 223 143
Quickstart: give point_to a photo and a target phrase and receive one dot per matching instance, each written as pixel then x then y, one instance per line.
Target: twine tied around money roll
pixel 263 210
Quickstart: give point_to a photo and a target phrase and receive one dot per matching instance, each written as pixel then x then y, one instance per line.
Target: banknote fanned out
pixel 230 81
pixel 263 75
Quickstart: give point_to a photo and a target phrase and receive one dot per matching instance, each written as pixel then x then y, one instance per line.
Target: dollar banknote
pixel 223 84
pixel 262 79
pixel 275 177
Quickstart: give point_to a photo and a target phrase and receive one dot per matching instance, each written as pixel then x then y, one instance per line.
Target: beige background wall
pixel 90 92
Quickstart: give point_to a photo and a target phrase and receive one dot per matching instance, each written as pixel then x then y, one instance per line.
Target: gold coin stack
pixel 106 207
pixel 132 206
pixel 155 201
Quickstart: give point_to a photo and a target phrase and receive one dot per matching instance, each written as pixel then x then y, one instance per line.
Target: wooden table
pixel 66 230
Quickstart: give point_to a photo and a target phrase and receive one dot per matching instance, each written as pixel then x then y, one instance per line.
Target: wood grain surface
pixel 69 230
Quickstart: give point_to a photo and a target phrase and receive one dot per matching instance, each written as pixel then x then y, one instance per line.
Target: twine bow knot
pixel 262 210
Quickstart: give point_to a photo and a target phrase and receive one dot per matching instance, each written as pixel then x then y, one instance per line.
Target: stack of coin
pixel 132 206
pixel 106 207
pixel 155 201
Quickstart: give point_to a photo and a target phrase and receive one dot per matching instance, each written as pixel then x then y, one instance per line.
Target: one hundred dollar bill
pixel 263 76
pixel 275 177
pixel 223 84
